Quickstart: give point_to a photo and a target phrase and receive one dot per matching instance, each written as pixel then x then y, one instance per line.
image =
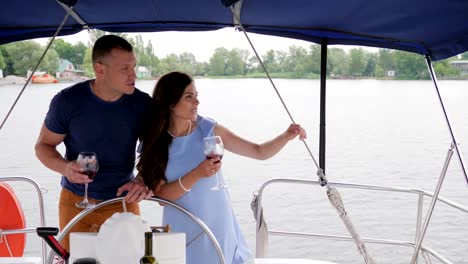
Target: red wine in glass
pixel 212 155
pixel 88 165
pixel 91 173
pixel 213 147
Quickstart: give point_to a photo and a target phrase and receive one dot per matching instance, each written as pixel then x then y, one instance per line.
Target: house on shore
pixel 69 72
pixel 461 66
pixel 143 72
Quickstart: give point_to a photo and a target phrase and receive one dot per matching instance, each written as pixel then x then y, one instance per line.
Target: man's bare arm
pixel 46 152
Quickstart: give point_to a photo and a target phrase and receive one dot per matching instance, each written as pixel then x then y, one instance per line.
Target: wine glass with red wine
pixel 89 165
pixel 213 148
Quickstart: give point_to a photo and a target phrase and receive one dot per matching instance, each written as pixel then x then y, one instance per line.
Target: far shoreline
pixel 18 80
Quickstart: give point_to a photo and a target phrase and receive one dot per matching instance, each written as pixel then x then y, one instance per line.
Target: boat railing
pixel 419 217
pixel 50 257
pixel 40 200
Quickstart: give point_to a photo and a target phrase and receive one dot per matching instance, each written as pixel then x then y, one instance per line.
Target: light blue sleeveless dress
pixel 213 207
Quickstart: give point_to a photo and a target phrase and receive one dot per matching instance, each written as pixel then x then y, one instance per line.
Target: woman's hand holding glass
pixel 210 167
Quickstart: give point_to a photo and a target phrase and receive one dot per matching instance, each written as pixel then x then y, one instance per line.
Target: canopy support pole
pixel 323 99
pixel 420 238
pixel 452 135
pixel 68 6
pixel 51 40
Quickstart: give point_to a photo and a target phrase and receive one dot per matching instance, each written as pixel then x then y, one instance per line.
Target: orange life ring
pixel 12 217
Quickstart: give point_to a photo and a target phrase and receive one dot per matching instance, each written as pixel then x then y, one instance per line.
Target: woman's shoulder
pixel 204 119
pixel 206 124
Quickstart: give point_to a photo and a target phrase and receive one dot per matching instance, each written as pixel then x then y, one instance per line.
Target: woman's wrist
pixel 182 185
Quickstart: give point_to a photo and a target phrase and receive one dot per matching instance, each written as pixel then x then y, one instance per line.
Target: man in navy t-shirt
pixel 107 116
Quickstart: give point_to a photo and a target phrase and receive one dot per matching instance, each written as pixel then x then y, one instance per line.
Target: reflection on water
pixel 378 132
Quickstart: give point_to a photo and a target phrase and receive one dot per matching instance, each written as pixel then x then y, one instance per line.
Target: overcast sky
pixel 203 44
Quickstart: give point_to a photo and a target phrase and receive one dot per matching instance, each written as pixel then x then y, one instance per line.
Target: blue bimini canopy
pixel 438 28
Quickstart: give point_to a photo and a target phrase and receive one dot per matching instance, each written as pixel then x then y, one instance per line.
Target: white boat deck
pixel 33 260
pixel 289 261
pixel 30 260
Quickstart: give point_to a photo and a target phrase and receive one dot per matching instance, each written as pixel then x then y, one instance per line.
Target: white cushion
pixel 82 245
pixel 121 239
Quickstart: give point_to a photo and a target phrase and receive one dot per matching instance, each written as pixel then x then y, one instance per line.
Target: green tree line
pixel 297 62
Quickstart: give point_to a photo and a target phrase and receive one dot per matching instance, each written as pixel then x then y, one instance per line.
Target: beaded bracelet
pixel 182 186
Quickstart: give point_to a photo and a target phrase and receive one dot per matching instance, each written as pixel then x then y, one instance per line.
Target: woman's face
pixel 187 106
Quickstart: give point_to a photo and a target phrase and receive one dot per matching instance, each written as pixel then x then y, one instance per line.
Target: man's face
pixel 118 71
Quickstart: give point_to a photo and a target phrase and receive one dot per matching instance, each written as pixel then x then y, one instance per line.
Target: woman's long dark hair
pixel 155 154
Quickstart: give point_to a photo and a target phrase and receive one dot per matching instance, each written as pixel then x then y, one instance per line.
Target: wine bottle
pixel 148 258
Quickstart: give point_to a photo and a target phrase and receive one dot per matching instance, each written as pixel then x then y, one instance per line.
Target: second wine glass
pixel 213 147
pixel 88 165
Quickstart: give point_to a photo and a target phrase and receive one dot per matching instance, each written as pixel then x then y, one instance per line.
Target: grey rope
pixel 35 68
pixel 332 193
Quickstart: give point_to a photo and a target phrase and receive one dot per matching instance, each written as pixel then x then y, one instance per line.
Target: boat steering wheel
pixel 194 218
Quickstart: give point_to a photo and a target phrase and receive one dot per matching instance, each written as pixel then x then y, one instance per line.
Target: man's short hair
pixel 105 44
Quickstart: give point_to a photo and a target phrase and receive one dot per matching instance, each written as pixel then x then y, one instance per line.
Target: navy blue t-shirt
pixel 111 129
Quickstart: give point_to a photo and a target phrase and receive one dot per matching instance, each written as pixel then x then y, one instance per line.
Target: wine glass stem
pixel 85 193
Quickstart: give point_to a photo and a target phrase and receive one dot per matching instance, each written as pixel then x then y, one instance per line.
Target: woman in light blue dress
pixel 174 166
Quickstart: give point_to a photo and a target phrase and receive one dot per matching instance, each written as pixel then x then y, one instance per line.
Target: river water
pixel 390 133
